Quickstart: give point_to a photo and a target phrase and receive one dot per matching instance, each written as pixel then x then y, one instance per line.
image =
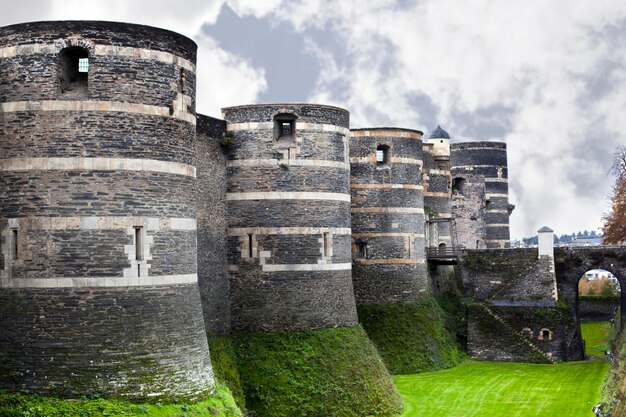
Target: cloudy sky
pixel 547 77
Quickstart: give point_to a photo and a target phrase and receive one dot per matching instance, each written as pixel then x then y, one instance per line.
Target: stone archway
pixel 570 265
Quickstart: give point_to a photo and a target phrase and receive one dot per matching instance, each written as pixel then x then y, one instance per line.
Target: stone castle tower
pixel 480 194
pixel 98 285
pixel 127 231
pixel 437 189
pixel 389 263
pixel 288 202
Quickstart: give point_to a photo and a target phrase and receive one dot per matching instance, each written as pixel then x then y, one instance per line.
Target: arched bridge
pixel 572 262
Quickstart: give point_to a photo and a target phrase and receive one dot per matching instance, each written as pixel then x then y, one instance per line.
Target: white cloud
pixel 533 58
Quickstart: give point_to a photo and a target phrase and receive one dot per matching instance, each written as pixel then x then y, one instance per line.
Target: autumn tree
pixel 614 228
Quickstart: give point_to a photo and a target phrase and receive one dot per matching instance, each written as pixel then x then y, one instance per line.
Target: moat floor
pixel 488 389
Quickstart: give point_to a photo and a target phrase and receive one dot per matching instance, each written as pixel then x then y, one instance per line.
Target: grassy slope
pixel 596 335
pixel 411 337
pixel 614 392
pixel 487 389
pixel 225 367
pixel 17 405
pixel 329 372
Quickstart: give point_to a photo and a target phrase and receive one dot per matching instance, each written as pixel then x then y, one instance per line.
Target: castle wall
pixel 98 282
pixel 468 209
pixel 289 218
pixel 436 170
pixel 212 228
pixel 470 161
pixel 389 262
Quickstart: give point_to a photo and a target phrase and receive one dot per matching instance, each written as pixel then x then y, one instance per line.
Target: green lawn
pixel 596 335
pixel 489 389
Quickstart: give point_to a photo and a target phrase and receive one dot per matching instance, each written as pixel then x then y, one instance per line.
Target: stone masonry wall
pixel 388 258
pixel 98 283
pixel 212 227
pixel 489 160
pixel 289 218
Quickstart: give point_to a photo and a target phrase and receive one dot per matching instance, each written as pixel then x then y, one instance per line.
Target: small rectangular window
pixel 13 244
pixel 83 64
pixel 409 245
pixel 382 155
pixel 326 242
pixel 249 245
pixel 139 243
pixel 362 247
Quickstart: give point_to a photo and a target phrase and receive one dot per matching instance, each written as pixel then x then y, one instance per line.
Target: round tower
pixel 480 192
pixel 98 284
pixel 389 262
pixel 289 217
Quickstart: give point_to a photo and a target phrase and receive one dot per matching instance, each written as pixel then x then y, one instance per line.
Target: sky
pixel 546 77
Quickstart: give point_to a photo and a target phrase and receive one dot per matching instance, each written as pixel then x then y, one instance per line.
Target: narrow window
pixel 13 247
pixel 326 245
pixel 458 186
pixel 285 129
pixel 410 243
pixel 362 247
pixel 83 64
pixel 139 243
pixel 74 69
pixel 249 245
pixel 545 334
pixel 382 155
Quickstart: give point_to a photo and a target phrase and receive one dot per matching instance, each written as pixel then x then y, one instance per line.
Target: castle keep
pixel 109 178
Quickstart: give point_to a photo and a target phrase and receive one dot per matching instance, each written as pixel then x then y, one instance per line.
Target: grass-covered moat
pixel 327 372
pixel 597 335
pixel 488 389
pixel 412 337
pixel 221 404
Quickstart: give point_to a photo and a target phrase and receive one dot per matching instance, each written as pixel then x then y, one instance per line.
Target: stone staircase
pixel 521 340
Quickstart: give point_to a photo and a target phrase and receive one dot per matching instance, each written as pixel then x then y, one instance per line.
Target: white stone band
pixel 316 127
pixel 496 180
pixel 389 234
pixel 470 167
pixel 287 195
pixel 238 231
pixel 98 282
pixel 405 210
pixel 390 133
pixel 497 225
pixel 482 148
pixel 306 267
pixel 107 50
pixel 105 223
pixel 177 111
pixel 316 163
pixel 386 186
pixel 438 172
pixel 97 164
pixel 488 196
